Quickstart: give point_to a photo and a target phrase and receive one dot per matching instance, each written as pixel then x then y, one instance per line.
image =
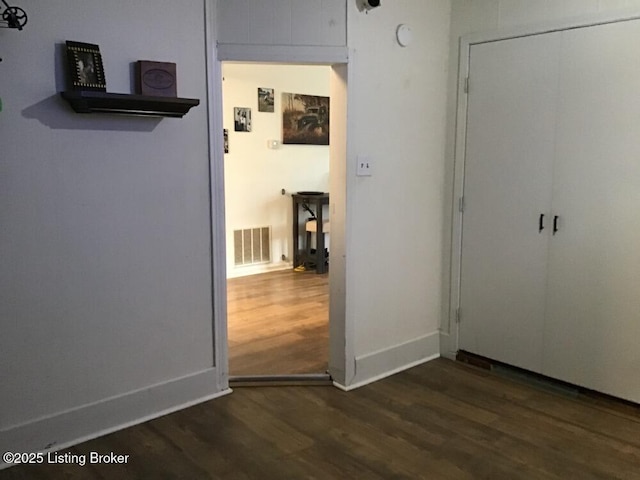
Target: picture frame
pixel 266 99
pixel 305 119
pixel 242 119
pixel 85 68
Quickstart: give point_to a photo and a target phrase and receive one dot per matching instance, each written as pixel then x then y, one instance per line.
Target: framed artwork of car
pixel 305 119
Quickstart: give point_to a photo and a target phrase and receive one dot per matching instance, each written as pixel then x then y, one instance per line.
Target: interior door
pixel 507 187
pixel 593 319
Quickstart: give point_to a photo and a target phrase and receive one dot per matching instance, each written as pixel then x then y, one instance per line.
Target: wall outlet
pixel 365 167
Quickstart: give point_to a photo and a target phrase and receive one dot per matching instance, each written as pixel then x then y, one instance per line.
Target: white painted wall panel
pixel 518 12
pixel 397 117
pixel 396 114
pixel 470 16
pixel 573 8
pixel 233 21
pixel 105 284
pixel 306 19
pixel 261 23
pixel 522 12
pixel 333 21
pixel 604 5
pixel 282 22
pixel 281 33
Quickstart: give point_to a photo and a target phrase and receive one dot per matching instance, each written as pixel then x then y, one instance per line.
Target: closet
pixel 550 257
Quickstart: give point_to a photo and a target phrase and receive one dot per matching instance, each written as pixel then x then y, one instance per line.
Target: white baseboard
pixel 448 345
pixel 256 269
pixel 389 361
pixel 84 423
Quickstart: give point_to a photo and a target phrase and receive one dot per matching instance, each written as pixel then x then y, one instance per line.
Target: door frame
pixel 340 338
pixel 451 319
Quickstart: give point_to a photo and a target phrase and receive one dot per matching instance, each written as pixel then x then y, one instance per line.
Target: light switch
pixel 365 166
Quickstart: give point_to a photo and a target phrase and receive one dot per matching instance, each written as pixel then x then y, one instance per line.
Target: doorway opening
pixel 278 316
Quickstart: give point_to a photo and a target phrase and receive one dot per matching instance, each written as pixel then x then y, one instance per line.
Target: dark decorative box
pixel 156 78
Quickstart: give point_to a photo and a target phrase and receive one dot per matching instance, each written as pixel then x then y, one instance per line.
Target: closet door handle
pixel 541 223
pixel 555 224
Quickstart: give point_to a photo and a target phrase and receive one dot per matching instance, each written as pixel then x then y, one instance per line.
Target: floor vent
pixel 252 246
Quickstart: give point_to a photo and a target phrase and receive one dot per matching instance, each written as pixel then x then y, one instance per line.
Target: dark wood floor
pixel 278 323
pixel 440 420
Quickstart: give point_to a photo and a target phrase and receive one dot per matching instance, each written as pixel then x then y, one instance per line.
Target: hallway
pixel 278 323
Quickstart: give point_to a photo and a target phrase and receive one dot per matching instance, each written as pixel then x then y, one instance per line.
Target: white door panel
pixel 592 329
pixel 508 180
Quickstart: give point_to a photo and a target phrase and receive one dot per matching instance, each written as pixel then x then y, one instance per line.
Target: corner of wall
pixel 389 361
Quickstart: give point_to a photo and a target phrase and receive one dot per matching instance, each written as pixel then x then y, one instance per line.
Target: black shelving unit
pixel 305 256
pixel 124 104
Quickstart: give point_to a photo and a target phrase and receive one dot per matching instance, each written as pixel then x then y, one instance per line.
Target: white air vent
pixel 251 246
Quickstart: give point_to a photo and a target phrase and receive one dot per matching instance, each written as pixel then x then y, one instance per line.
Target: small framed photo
pixel 266 97
pixel 242 119
pixel 85 68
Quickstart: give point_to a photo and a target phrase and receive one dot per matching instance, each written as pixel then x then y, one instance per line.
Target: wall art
pixel 85 68
pixel 242 119
pixel 305 119
pixel 266 97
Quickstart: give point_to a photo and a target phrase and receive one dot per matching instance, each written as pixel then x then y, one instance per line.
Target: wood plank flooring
pixel 439 420
pixel 278 323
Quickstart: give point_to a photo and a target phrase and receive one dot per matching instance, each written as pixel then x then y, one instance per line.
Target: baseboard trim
pixel 257 269
pixel 448 345
pixel 87 422
pixel 389 361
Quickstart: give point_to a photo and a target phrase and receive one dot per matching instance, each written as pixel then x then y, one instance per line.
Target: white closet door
pixel 507 186
pixel 592 333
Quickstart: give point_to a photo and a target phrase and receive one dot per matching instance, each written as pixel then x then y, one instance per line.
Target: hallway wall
pixel 256 174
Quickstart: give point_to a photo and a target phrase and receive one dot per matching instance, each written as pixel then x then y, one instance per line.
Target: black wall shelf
pixel 120 103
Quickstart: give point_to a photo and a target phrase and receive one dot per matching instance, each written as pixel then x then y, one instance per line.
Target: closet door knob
pixel 555 224
pixel 541 223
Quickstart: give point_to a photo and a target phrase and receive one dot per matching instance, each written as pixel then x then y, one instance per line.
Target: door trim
pixel 217 201
pixel 340 340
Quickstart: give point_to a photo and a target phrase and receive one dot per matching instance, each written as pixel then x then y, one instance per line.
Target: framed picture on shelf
pixel 85 68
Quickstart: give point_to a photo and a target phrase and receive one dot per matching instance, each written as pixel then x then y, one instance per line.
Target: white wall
pixel 396 115
pixel 279 23
pixel 476 16
pixel 394 218
pixel 105 285
pixel 105 244
pixel 255 174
